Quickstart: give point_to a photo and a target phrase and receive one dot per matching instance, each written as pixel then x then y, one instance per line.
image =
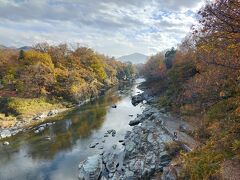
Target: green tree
pixel 21 54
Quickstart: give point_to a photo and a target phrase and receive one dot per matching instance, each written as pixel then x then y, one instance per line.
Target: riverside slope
pixel 144 152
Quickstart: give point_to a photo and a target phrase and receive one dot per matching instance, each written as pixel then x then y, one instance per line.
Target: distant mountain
pixel 3 47
pixel 135 58
pixel 25 48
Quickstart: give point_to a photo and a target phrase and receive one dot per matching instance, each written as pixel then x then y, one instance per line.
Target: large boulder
pixel 169 173
pixel 137 99
pixel 111 161
pixel 91 168
pixel 137 120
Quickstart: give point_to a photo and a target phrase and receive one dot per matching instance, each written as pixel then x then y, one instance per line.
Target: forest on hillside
pixel 59 71
pixel 37 79
pixel 200 81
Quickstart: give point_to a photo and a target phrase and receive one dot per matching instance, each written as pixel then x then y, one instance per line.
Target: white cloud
pixel 112 27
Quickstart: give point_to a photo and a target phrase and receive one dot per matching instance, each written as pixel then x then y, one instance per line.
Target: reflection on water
pixel 56 152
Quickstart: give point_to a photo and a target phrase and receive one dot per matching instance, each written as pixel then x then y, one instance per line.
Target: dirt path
pixel 173 125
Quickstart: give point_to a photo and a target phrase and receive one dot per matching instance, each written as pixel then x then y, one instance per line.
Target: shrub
pixel 173 148
pixel 222 109
pixel 23 106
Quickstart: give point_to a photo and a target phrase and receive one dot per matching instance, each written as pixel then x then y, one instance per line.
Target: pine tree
pixel 21 54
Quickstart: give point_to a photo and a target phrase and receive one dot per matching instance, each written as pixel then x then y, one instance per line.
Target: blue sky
pixel 112 27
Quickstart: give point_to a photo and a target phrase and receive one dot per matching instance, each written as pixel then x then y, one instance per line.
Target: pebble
pixel 6 143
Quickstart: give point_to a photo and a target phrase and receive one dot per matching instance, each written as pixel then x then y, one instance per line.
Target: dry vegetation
pixel 201 78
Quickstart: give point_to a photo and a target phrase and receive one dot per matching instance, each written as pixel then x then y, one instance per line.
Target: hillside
pixel 135 58
pixel 199 81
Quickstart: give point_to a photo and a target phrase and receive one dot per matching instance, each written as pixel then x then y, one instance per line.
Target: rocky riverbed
pixel 143 154
pixel 144 151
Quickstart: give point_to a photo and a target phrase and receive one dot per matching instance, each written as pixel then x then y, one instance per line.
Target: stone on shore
pixel 93 145
pixel 6 143
pixel 137 99
pixel 42 127
pixel 52 112
pixel 114 106
pixel 134 122
pixel 169 173
pixel 91 168
pixel 39 116
pixel 6 133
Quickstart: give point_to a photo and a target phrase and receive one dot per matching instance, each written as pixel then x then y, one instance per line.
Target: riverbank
pixel 59 148
pixel 29 122
pixel 31 117
pixel 36 120
pixel 148 149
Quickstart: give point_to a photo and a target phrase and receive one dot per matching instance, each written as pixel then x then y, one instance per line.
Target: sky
pixel 112 27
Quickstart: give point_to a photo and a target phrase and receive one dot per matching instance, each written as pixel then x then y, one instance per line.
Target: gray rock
pixel 6 133
pixel 137 129
pixel 90 168
pixel 150 158
pixel 41 128
pixel 109 131
pixel 169 173
pixel 93 145
pixel 110 175
pixel 39 116
pixel 113 133
pixel 128 133
pixel 165 158
pixel 129 146
pixel 114 106
pixel 137 99
pixel 6 143
pixel 134 122
pixel 150 138
pixel 36 131
pixel 103 178
pixel 114 146
pixel 129 174
pixel 111 160
pixel 52 112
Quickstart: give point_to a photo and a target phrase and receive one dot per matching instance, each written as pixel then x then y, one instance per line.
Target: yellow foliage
pixel 34 57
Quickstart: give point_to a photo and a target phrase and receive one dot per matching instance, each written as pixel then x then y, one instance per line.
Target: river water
pixel 55 153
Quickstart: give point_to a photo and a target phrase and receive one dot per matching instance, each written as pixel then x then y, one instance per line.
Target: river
pixel 55 153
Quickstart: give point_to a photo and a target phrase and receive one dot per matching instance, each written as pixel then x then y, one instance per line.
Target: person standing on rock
pixel 175 136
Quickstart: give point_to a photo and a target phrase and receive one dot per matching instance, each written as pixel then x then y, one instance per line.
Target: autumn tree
pixel 216 53
pixel 37 74
pixel 155 67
